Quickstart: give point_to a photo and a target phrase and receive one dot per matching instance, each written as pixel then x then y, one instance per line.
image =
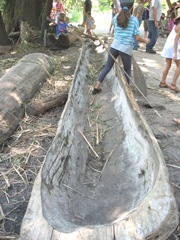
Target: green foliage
pixel 73 4
pixel 105 5
pixel 76 16
pixel 2 2
pixel 164 5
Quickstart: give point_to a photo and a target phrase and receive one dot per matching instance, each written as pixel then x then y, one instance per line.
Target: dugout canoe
pixel 104 176
pixel 17 86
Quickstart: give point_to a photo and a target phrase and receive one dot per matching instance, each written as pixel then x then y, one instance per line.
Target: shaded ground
pixel 22 154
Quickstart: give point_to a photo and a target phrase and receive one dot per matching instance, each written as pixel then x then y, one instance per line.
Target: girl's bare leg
pixel 166 70
pixel 177 72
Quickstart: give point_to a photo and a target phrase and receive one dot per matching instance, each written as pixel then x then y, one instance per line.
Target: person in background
pixel 146 18
pixel 53 13
pixel 126 28
pixel 67 20
pixel 171 51
pixel 60 7
pixel 155 12
pixel 113 13
pixel 87 7
pixel 138 12
pixel 170 24
pixel 171 16
pixel 61 26
pixel 54 4
pixel 57 15
pixel 90 23
pixel 53 10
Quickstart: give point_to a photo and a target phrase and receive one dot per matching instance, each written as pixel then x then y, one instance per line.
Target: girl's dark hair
pixel 62 17
pixel 125 14
pixel 177 21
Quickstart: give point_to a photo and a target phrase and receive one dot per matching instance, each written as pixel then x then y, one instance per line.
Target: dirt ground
pixel 21 156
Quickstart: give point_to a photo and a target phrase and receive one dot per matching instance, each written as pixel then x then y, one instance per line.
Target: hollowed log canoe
pixel 104 176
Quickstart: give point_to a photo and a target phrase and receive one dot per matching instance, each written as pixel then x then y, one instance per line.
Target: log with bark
pixel 104 176
pixel 18 86
pixel 63 41
pixel 36 108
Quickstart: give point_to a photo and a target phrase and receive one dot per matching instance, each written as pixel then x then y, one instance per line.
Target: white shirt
pixel 157 5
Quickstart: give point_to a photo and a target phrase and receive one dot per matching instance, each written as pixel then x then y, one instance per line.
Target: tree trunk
pixel 169 3
pixel 33 12
pixel 46 12
pixel 19 85
pixel 4 40
pixel 28 11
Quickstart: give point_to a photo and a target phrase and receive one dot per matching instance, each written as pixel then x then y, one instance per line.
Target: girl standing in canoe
pixel 126 29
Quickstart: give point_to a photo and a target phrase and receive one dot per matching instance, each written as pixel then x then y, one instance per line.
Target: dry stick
pixel 6 179
pixel 126 74
pixel 9 237
pixel 73 189
pixel 92 101
pixel 175 236
pixel 97 134
pixel 175 185
pixel 106 162
pixel 172 166
pixel 19 174
pixel 12 210
pixel 88 143
pixel 89 121
pixel 6 195
pixel 86 35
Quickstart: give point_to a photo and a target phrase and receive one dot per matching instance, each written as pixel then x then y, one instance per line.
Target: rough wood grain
pixel 18 86
pixel 36 107
pixel 124 193
pixel 64 40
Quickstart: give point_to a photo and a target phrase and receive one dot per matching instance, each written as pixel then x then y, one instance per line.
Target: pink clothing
pixel 60 6
pixel 170 24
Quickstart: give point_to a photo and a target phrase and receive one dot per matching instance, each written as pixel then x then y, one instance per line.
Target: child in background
pixel 112 15
pixel 138 12
pixel 171 51
pixel 146 18
pixel 90 23
pixel 69 26
pixel 171 20
pixel 67 20
pixel 61 26
pixel 59 5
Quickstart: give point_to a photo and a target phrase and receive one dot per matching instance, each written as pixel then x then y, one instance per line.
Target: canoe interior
pixel 97 187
